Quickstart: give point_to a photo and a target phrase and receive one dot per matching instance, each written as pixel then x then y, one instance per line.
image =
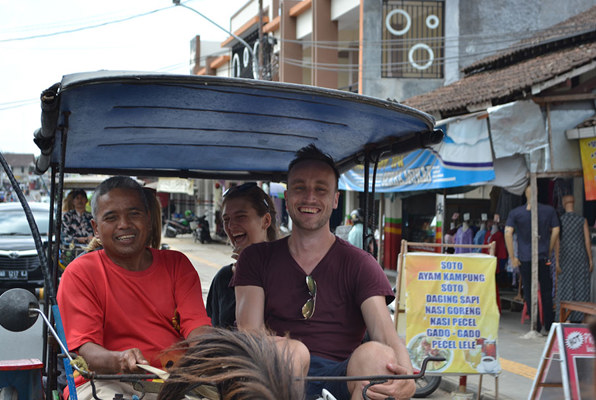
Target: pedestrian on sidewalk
pixel 573 255
pixel 520 221
pixel 248 217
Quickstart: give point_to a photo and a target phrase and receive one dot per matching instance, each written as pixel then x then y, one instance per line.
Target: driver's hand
pixel 128 360
pixel 396 388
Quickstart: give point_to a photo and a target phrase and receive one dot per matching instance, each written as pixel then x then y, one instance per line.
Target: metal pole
pixel 534 218
pixel 238 38
pixel 381 225
pixel 366 210
pixel 260 52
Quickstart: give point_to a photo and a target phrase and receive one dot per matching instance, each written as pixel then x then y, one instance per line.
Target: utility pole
pixel 260 47
pixel 238 38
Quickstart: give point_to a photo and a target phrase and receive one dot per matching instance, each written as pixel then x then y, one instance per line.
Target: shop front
pixel 413 185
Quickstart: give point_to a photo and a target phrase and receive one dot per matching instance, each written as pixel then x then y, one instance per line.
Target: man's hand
pixel 515 261
pixel 396 388
pixel 375 357
pixel 104 361
pixel 128 360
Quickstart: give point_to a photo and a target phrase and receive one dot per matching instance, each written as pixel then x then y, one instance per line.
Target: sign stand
pixel 567 364
pixel 400 307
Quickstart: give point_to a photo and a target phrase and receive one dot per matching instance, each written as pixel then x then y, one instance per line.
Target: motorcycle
pixel 180 226
pixel 201 232
pixel 219 229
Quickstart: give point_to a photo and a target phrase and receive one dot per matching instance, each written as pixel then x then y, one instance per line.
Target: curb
pixel 450 384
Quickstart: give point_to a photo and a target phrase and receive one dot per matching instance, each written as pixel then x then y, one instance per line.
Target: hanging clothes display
pixel 464 235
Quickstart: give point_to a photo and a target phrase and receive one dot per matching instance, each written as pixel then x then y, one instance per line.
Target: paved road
pixel 206 258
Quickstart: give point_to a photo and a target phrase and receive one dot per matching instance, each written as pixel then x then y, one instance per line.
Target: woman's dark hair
pixel 237 365
pixel 259 200
pixel 155 213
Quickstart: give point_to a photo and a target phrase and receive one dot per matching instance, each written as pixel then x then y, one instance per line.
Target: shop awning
pixel 173 185
pixel 463 158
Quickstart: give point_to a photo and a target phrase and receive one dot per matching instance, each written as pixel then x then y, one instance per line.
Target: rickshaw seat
pixel 24 376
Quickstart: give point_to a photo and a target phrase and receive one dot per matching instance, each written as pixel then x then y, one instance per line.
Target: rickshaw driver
pixel 125 304
pixel 345 290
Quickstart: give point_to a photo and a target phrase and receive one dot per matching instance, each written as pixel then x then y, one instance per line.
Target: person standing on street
pixel 322 292
pixel 520 221
pixel 355 234
pixel 76 223
pixel 573 255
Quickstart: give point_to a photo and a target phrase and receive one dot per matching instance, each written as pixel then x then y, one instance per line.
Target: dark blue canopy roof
pixel 183 125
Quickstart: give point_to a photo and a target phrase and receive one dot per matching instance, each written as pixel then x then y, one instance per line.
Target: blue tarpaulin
pixel 463 158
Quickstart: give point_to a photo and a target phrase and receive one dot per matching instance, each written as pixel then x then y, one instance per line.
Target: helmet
pixel 187 213
pixel 357 215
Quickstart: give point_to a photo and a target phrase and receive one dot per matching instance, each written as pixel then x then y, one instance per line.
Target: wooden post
pixel 404 250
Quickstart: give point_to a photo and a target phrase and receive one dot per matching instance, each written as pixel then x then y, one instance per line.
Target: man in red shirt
pixel 123 305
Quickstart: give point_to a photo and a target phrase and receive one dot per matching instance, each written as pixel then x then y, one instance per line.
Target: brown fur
pixel 239 365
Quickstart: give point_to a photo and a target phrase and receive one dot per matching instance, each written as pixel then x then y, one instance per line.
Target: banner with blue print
pixel 463 158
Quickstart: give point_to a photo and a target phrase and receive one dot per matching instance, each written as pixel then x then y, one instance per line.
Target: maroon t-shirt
pixel 345 277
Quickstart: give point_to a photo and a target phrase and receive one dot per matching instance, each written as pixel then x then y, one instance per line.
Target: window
pixel 413 39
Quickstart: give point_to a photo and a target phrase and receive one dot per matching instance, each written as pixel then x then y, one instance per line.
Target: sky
pixel 145 40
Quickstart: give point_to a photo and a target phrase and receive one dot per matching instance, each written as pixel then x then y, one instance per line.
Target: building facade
pixel 389 49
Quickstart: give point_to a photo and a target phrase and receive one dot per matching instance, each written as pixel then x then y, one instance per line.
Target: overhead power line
pixel 16 104
pixel 83 28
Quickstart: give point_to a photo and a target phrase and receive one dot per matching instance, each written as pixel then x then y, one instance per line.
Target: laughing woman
pixel 249 217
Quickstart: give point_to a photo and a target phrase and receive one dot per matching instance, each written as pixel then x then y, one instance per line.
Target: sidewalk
pixel 519 357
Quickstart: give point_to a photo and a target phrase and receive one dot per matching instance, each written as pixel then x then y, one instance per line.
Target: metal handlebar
pixel 375 379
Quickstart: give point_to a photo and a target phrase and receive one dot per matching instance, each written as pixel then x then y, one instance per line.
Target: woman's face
pixel 243 225
pixel 79 202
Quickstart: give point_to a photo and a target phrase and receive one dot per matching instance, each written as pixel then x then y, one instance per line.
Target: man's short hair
pixel 313 153
pixel 117 182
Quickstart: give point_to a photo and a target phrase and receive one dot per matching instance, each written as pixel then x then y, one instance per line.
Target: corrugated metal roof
pixel 19 159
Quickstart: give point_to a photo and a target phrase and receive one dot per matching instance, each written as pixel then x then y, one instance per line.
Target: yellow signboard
pixel 451 311
pixel 588 153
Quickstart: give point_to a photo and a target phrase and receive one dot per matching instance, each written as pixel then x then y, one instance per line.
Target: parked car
pixel 19 262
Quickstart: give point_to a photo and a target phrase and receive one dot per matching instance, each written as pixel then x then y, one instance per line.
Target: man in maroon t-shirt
pixel 322 291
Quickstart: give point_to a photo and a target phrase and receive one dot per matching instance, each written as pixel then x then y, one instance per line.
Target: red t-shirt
pixel 103 303
pixel 499 239
pixel 345 278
